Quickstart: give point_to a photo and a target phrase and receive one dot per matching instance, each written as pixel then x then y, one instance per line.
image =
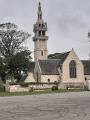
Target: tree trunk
pixel 1 82
pixel 12 77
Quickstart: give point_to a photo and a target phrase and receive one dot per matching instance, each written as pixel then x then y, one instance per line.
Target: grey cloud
pixel 67 23
pixel 5 8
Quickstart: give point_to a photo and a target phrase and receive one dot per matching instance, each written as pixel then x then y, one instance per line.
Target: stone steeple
pixel 40 38
pixel 39 13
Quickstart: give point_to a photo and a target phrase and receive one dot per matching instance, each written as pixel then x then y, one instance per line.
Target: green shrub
pixel 2 88
pixel 55 87
pixel 85 87
pixel 31 89
pixel 24 84
pixel 34 83
pixel 56 83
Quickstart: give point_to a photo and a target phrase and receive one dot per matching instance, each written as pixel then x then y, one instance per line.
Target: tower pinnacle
pixel 39 13
pixel 39 6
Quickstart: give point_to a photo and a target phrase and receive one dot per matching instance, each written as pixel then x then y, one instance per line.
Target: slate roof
pixel 49 67
pixel 61 56
pixel 86 64
pixel 31 70
pixel 23 78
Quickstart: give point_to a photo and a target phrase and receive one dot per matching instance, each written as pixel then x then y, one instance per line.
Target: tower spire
pixel 39 6
pixel 40 38
pixel 39 13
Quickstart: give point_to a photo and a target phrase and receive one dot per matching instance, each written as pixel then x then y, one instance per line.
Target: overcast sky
pixel 68 22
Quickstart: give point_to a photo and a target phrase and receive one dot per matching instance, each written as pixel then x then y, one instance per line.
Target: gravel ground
pixel 55 106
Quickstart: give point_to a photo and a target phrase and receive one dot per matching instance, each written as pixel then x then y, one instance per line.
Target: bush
pixel 2 88
pixel 56 83
pixel 34 83
pixel 24 84
pixel 31 89
pixel 55 87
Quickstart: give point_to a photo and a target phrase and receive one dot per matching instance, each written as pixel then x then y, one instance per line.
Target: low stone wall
pixel 71 85
pixel 38 87
pixel 43 87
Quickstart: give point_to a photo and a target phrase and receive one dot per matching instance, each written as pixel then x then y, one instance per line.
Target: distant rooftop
pixel 86 64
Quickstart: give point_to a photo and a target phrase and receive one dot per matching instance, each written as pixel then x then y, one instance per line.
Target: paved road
pixel 56 106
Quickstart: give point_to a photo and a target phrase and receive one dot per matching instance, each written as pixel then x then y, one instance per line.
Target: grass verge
pixel 39 92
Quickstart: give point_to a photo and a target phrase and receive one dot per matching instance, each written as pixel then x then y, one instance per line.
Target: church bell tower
pixel 40 38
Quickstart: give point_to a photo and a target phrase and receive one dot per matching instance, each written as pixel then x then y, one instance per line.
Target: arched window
pixel 39 32
pixel 40 16
pixel 42 25
pixel 43 33
pixel 72 69
pixel 39 25
pixel 41 53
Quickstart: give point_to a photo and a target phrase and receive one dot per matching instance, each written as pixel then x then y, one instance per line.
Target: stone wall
pixel 43 87
pixel 37 70
pixel 78 85
pixel 40 45
pixel 29 78
pixel 52 78
pixel 18 88
pixel 79 69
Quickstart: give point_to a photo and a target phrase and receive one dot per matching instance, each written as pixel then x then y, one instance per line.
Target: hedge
pixel 2 88
pixel 22 84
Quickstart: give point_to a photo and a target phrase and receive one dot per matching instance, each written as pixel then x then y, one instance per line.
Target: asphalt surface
pixel 56 106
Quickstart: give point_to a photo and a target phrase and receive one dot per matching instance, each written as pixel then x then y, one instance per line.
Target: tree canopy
pixel 16 58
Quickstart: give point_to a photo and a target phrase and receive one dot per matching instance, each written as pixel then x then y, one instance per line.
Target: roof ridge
pixel 59 54
pixel 55 55
pixel 49 59
pixel 85 60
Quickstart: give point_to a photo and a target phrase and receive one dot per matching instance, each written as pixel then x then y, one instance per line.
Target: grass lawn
pixel 39 92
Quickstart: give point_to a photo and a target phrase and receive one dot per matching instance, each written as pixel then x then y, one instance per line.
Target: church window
pixel 41 53
pixel 39 25
pixel 42 25
pixel 39 32
pixel 43 33
pixel 48 80
pixel 40 16
pixel 72 69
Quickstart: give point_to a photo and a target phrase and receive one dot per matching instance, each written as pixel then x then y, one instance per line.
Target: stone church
pixel 65 68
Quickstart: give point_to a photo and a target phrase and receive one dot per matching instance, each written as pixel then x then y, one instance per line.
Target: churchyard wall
pixel 36 87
